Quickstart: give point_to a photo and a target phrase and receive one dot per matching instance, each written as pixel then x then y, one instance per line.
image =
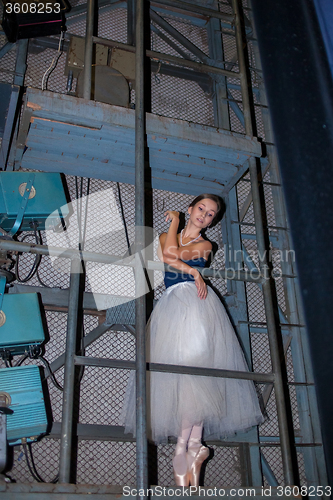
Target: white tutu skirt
pixel 184 330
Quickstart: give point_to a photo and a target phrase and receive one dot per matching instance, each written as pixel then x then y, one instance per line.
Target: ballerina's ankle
pixel 196 455
pixel 194 446
pixel 181 446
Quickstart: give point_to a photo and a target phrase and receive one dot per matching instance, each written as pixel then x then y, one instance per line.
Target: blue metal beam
pixel 11 120
pixel 66 134
pixel 21 62
pixel 268 473
pixel 6 48
pixel 232 236
pixel 8 131
pixel 221 109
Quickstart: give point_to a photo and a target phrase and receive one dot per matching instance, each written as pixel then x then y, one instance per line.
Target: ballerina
pixel 189 326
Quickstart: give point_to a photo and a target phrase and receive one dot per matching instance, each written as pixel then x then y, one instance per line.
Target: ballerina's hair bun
pixel 219 202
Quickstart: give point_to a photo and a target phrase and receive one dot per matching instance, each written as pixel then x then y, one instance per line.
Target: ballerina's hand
pixel 170 215
pixel 201 286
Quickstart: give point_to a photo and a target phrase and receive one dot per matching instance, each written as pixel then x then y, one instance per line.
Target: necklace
pixel 185 244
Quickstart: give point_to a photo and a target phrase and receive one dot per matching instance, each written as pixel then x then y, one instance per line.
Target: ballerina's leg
pixel 187 464
pixel 194 442
pixel 196 455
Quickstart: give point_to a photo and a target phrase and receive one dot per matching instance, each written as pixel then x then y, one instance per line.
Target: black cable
pixel 82 353
pixel 41 281
pixel 35 264
pixel 32 467
pixel 37 273
pixel 35 353
pixel 38 479
pixel 127 239
pixel 50 373
pixel 7 361
pixel 20 361
pixel 35 267
pixel 46 363
pixel 124 220
pixel 40 242
pixel 54 480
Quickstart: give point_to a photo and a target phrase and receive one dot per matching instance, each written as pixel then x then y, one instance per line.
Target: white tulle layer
pixel 188 331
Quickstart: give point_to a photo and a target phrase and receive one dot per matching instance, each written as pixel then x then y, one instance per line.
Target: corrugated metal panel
pixel 92 139
pixel 22 328
pixel 23 384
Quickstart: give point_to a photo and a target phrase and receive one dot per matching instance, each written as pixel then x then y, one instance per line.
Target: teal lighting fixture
pixel 29 199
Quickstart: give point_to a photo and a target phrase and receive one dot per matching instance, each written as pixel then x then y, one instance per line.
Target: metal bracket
pixel 21 212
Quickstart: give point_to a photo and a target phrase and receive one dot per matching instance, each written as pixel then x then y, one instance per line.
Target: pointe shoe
pixel 197 456
pixel 179 462
pixel 180 472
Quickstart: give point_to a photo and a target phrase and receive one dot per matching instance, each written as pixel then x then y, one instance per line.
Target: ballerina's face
pixel 202 213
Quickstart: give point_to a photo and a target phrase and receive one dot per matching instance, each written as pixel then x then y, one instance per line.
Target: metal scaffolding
pixel 214 71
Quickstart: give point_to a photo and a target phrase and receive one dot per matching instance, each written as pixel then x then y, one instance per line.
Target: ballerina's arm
pixel 170 253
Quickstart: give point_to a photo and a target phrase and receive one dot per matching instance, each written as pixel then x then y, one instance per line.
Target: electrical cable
pixel 82 352
pixel 34 353
pixel 7 360
pixel 40 242
pixel 123 217
pixel 32 467
pixel 35 476
pixel 127 238
pixel 38 258
pixel 41 281
pixel 50 373
pixel 54 480
pixel 22 358
pixel 36 261
pixel 35 267
pixel 53 63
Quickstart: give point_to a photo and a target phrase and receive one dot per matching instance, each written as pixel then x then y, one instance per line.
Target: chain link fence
pixel 102 389
pixel 170 96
